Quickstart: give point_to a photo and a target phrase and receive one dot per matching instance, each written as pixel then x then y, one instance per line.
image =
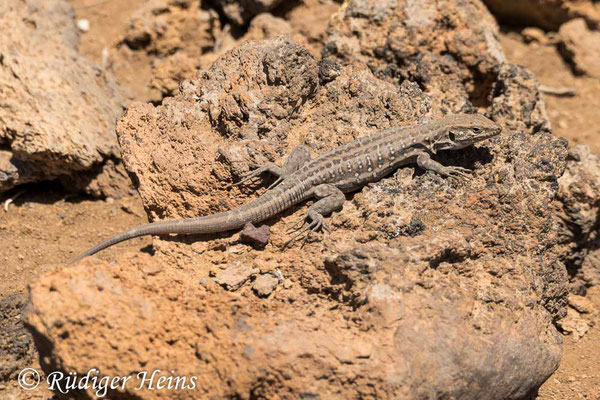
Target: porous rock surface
pixel 426 288
pixel 16 346
pixel 449 47
pixel 57 110
pixel 579 217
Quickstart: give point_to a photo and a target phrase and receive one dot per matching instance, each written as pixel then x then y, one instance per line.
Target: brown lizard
pixel 326 178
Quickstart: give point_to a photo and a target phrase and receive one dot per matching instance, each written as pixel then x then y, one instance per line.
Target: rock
pixel 107 180
pixel 240 12
pixel 267 26
pixel 546 14
pixel 264 285
pixel 462 305
pixel 457 64
pixel 305 22
pixel 16 346
pixel 532 34
pixel 83 25
pixel 235 276
pixel 164 41
pixel 588 274
pixel 310 20
pixel 164 28
pixel 574 324
pixel 57 110
pixel 579 211
pixel 517 85
pixel 328 71
pixel 580 46
pixel 581 304
pixel 258 237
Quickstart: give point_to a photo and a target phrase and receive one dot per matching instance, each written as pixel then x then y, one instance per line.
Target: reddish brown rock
pixel 574 324
pixel 264 285
pixel 258 237
pixel 57 110
pixel 235 276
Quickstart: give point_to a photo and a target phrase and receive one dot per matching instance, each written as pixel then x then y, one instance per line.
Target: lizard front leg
pixel 330 199
pixel 297 158
pixel 424 161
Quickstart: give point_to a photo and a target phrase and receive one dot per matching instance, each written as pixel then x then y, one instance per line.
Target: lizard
pixel 328 177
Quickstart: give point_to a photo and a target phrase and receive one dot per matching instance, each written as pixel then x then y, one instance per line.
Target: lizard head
pixel 461 130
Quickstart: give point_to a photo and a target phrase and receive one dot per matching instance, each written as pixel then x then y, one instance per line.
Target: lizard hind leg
pixel 330 199
pixel 297 158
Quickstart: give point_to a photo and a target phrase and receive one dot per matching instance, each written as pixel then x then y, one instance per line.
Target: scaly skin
pixel 344 169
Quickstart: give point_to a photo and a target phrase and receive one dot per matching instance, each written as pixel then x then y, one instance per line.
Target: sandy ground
pixel 43 227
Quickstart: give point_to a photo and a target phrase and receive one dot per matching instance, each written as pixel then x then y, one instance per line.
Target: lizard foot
pixel 318 223
pixel 457 172
pixel 330 199
pixel 424 161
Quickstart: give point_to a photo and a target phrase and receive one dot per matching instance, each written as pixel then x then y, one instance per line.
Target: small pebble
pixel 532 34
pixel 83 25
pixel 235 276
pixel 264 285
pixel 152 269
pixel 257 237
pixel 127 209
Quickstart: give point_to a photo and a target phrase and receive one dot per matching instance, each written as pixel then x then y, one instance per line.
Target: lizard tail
pixel 264 207
pixel 220 222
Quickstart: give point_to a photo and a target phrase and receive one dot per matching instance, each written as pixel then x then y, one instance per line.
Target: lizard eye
pixel 477 130
pixel 451 136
